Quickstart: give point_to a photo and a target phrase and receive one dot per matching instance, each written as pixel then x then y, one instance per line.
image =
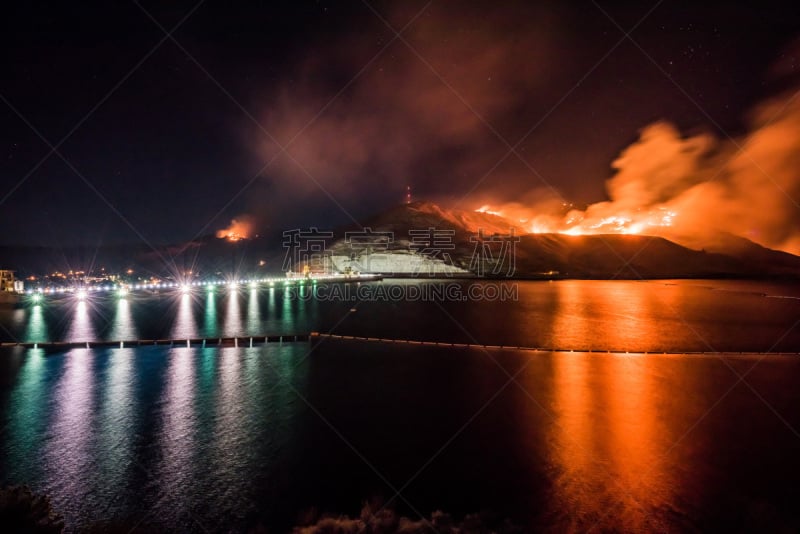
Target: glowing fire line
pixel 580 223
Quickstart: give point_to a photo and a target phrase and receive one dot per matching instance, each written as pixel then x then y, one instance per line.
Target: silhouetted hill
pixel 537 255
pixel 590 256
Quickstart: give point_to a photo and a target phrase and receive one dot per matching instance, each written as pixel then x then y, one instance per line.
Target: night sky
pixel 163 140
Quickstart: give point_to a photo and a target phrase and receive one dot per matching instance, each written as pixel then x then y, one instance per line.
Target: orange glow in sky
pixel 238 229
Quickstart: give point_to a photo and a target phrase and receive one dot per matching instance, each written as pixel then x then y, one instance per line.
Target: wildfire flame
pixel 488 209
pixel 696 190
pixel 577 222
pixel 240 228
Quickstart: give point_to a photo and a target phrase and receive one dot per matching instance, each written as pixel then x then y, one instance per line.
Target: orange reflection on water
pixel 578 483
pixel 606 315
pixel 632 307
pixel 572 322
pixel 636 440
pixel 608 444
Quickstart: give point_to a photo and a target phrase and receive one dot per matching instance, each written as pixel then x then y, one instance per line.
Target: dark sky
pixel 163 140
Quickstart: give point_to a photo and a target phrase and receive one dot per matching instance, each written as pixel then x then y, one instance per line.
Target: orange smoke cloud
pixel 403 120
pixel 240 228
pixel 397 117
pixel 695 189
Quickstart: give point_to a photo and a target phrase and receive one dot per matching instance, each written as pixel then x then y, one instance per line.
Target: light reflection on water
pixel 116 434
pixel 253 311
pixel 116 417
pixel 610 444
pixel 67 455
pixel 28 419
pixel 123 327
pixel 210 315
pixel 574 320
pixel 220 434
pixel 177 428
pixel 572 315
pixel 37 326
pixel 226 455
pixel 81 328
pixel 233 317
pixel 184 326
pixel 606 315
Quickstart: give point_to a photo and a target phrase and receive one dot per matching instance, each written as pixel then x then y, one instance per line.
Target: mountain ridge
pixel 584 256
pixel 536 255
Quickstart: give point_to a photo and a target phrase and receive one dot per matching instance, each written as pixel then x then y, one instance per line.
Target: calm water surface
pixel 229 438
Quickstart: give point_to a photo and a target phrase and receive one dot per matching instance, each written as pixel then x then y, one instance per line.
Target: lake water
pixel 223 439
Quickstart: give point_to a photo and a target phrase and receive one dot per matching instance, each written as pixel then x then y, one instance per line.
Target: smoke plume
pixel 435 113
pixel 695 189
pixel 412 116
